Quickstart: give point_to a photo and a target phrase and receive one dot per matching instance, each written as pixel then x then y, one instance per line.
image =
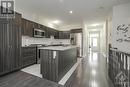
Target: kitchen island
pixel 56 61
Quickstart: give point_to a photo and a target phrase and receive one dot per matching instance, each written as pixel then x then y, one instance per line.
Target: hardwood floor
pixel 22 79
pixel 92 72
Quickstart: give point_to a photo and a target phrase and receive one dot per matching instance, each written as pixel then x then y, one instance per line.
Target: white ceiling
pixel 83 10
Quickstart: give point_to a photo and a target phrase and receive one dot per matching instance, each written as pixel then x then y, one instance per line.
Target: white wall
pixel 85 41
pixel 108 34
pixel 121 16
pixel 103 39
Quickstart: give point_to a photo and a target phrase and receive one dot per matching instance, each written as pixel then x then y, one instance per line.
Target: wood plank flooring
pixel 92 72
pixel 22 79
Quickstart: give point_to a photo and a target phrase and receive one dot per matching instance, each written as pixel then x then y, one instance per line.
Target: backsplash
pixel 26 40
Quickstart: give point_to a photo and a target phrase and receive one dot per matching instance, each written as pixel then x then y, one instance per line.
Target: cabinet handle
pixel 8 35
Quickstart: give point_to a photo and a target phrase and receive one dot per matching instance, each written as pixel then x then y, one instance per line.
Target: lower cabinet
pixel 28 56
pixel 55 64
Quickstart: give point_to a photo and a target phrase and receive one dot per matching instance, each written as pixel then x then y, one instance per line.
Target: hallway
pixel 92 72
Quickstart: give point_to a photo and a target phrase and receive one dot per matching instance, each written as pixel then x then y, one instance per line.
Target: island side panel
pixel 55 64
pixel 44 63
pixel 49 65
pixel 66 60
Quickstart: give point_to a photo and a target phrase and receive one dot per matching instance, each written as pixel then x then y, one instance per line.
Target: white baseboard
pixel 69 73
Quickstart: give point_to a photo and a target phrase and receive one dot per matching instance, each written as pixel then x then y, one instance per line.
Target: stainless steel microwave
pixel 39 33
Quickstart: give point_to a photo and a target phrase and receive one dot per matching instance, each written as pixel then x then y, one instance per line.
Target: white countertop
pixel 61 48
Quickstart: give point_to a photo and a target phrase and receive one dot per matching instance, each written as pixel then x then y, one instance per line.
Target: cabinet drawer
pixel 28 61
pixel 26 49
pixel 28 56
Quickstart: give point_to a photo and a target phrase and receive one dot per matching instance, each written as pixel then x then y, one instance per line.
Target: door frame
pixel 93 32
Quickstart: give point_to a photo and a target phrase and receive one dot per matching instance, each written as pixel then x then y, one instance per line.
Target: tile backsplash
pixel 26 40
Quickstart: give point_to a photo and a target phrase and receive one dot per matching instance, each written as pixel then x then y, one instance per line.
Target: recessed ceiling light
pixel 70 12
pixel 56 22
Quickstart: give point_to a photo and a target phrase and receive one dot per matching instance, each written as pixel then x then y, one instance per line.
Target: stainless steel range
pixel 38 51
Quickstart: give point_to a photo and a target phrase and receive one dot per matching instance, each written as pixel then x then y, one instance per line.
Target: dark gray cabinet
pixel 28 56
pixel 51 32
pixel 14 46
pixel 27 27
pixel 47 32
pixel 49 65
pixel 64 34
pixel 55 64
pixel 56 34
pixel 10 45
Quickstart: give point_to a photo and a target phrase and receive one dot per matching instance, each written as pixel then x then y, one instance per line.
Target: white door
pixel 94 41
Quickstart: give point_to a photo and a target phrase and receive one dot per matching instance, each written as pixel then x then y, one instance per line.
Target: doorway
pixel 94 41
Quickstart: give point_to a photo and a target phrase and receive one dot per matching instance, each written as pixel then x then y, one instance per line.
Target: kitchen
pixel 22 47
pixel 64 43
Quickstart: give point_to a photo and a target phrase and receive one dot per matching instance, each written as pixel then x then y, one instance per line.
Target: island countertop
pixel 57 48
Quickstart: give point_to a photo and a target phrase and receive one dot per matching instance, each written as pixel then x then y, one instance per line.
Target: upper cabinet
pixel 54 33
pixel 64 34
pixel 18 19
pixel 27 27
pixel 51 32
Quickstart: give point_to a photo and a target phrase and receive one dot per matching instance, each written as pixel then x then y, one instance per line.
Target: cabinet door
pixel 64 35
pixel 35 25
pixel 14 45
pixel 28 56
pixel 4 60
pixel 10 40
pixel 30 28
pixel 56 35
pixel 17 18
pixel 27 27
pixel 17 46
pixel 61 35
pixel 23 26
pixel 47 32
pixel 67 35
pixel 11 55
